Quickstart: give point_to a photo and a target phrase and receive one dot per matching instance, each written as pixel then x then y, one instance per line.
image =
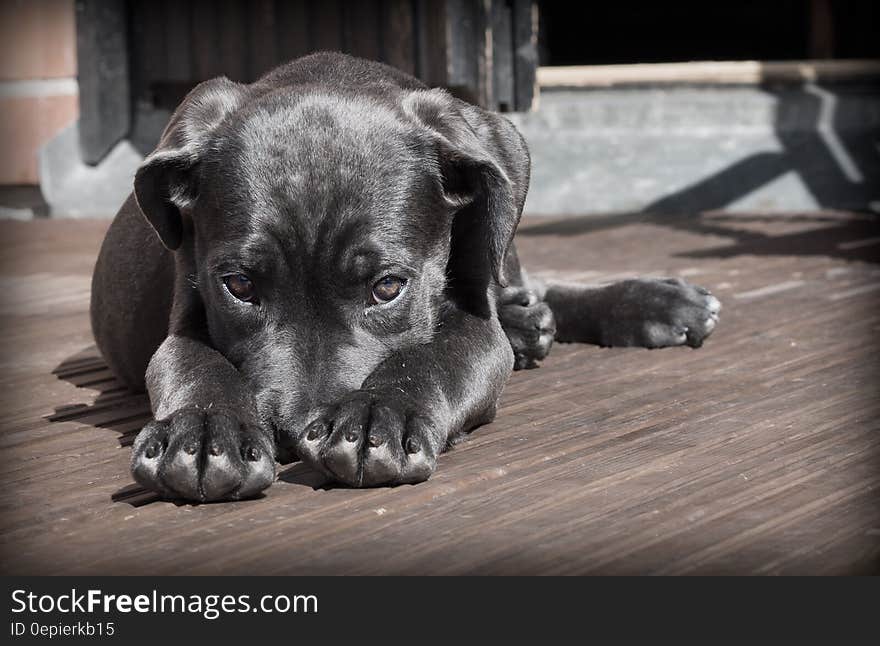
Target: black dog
pixel 336 281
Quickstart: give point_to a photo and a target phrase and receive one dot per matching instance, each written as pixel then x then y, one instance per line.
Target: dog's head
pixel 317 232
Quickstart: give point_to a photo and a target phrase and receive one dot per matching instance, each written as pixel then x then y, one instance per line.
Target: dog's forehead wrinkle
pixel 308 167
pixel 321 142
pixel 354 129
pixel 348 242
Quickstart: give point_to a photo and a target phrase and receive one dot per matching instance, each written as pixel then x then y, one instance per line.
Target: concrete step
pixel 672 149
pixel 685 149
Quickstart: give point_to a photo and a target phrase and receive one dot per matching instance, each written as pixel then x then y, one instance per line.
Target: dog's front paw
pixel 203 455
pixel 657 313
pixel 371 438
pixel 528 324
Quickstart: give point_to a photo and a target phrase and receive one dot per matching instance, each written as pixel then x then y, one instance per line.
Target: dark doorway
pixel 583 33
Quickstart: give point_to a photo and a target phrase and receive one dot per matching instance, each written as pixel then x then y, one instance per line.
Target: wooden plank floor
pixel 759 453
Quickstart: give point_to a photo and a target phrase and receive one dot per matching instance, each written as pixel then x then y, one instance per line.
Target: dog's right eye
pixel 387 288
pixel 239 286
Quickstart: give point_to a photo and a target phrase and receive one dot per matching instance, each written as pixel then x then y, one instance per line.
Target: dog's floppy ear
pixel 472 167
pixel 167 180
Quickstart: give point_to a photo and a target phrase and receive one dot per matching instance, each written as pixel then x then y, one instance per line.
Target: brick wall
pixel 38 90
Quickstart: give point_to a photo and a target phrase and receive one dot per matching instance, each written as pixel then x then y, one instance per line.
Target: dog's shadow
pixel 118 409
pixel 115 408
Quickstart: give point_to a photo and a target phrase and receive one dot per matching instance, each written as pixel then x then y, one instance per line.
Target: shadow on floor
pixel 115 408
pixel 845 236
pixel 118 409
pixel 301 474
pixel 828 136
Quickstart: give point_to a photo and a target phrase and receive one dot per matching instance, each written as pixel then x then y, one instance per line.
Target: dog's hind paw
pixel 528 324
pixel 658 313
pixel 370 438
pixel 203 455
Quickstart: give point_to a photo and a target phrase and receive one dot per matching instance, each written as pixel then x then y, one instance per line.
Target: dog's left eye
pixel 240 286
pixel 387 288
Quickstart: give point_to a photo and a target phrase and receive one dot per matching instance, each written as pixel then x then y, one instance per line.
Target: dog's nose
pixel 285 447
pixel 286 454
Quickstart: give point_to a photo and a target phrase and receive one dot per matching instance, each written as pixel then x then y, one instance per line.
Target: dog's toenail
pixel 252 454
pixel 352 436
pixel 216 449
pixel 190 448
pixel 152 450
pixel 376 440
pixel 413 445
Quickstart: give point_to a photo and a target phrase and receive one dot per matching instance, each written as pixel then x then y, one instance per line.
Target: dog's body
pixel 334 280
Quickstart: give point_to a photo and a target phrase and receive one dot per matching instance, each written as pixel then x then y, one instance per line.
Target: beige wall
pixel 37 81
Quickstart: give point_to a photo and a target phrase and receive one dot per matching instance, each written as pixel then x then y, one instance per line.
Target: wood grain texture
pixel 759 453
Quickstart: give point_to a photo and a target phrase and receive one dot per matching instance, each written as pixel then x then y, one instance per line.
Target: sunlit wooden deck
pixel 759 453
